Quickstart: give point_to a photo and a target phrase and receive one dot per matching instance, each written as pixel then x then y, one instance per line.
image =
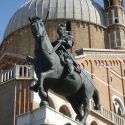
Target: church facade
pixel 99 42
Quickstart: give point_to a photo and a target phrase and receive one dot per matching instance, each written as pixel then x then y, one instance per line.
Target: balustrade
pixel 101 56
pixel 24 71
pixel 17 72
pixel 108 115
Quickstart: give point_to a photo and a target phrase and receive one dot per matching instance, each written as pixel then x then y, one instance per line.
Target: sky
pixel 9 7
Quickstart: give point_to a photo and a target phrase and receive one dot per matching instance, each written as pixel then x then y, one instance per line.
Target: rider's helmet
pixel 61 30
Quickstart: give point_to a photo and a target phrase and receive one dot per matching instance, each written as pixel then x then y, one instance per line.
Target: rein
pixel 42 38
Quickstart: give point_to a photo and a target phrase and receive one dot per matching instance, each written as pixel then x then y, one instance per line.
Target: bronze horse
pixel 77 87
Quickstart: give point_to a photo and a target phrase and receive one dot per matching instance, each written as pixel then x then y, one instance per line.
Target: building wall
pixel 108 78
pixel 92 120
pixel 24 101
pixel 20 42
pixel 7 104
pixel 85 36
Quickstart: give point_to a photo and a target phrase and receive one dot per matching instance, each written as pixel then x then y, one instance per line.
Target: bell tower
pixel 115 21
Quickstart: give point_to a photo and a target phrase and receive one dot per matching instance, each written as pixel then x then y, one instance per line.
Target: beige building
pixel 99 35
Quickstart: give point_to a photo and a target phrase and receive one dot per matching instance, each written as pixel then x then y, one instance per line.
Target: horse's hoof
pixel 43 103
pixel 97 107
pixel 79 118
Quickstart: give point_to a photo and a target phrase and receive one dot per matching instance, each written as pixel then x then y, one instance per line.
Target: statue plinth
pixel 44 116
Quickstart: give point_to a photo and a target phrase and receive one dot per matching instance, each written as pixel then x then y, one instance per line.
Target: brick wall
pixel 85 35
pixel 7 104
pixel 107 76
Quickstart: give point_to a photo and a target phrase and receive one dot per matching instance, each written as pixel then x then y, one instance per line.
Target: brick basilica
pixel 99 48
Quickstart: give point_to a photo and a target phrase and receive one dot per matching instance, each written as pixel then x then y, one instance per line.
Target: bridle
pixel 44 33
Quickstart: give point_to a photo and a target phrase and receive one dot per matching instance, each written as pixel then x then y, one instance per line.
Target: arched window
pixel 83 66
pixel 51 103
pixel 65 110
pixel 68 26
pixel 116 20
pixel 118 106
pixel 93 123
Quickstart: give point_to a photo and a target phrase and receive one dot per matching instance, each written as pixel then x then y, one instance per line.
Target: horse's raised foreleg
pixel 96 100
pixel 42 93
pixel 47 74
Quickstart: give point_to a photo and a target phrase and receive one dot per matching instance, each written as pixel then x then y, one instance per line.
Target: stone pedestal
pixel 44 116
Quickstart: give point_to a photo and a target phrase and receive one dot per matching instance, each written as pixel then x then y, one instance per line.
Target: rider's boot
pixel 35 87
pixel 70 68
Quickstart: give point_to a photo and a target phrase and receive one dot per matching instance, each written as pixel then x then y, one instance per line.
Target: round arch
pixel 86 62
pixel 94 123
pixel 51 103
pixel 96 63
pixel 64 109
pixel 113 62
pixel 118 105
pixel 99 62
pixel 110 62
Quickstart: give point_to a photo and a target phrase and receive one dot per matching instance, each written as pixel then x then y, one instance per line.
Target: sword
pixel 47 15
pixel 57 46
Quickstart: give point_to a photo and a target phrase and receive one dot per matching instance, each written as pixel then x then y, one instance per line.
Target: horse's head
pixel 37 27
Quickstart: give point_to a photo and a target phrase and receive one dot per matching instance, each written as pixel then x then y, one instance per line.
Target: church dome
pixel 83 10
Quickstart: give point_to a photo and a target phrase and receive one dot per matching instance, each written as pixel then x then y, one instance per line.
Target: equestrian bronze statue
pixel 57 70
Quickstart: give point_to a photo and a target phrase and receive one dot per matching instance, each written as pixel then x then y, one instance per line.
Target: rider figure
pixel 65 44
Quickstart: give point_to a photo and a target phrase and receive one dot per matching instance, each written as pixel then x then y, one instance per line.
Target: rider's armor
pixel 66 58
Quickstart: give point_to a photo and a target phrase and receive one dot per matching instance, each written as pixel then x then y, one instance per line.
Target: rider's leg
pixel 50 74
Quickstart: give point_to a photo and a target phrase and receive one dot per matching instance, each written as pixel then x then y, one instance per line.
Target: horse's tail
pixel 96 99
